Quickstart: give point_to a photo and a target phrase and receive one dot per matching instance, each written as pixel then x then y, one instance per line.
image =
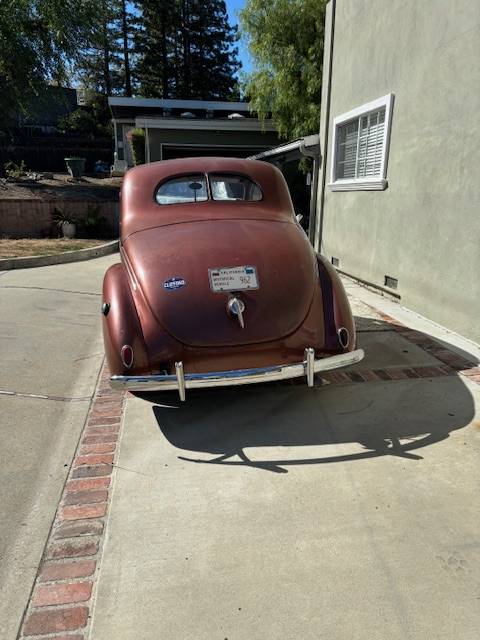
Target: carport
pixel 303 185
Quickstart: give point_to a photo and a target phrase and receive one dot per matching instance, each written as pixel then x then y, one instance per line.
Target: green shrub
pixel 79 121
pixel 94 225
pixel 85 121
pixel 136 140
pixel 61 216
pixel 13 170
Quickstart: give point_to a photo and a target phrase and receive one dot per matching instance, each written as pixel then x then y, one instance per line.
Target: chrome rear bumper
pixel 182 381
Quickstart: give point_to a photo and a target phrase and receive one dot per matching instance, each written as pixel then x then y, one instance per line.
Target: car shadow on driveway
pixel 274 426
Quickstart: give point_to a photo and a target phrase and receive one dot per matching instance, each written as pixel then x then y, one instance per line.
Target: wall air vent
pixel 391 283
pixel 335 261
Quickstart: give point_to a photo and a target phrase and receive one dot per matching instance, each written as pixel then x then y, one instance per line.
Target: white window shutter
pixel 360 146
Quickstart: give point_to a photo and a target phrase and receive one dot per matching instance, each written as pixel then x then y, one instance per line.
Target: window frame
pixel 239 175
pixel 178 177
pixel 210 197
pixel 373 183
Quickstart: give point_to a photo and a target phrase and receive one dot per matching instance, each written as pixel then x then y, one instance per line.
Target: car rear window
pixel 183 189
pixel 232 187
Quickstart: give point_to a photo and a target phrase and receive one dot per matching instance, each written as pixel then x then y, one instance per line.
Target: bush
pixel 13 170
pixel 136 140
pixel 84 121
pixel 94 225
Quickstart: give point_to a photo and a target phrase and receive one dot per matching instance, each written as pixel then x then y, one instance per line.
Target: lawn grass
pixel 44 247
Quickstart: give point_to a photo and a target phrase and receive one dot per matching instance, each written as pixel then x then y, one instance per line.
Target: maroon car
pixel 218 284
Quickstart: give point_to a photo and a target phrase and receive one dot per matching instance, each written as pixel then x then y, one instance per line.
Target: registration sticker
pixel 233 278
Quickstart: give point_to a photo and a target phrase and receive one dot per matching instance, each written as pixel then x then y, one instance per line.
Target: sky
pixel 233 7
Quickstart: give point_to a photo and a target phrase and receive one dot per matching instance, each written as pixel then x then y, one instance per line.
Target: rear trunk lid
pixel 171 264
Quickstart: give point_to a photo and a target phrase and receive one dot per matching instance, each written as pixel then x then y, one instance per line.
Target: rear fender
pixel 121 325
pixel 337 311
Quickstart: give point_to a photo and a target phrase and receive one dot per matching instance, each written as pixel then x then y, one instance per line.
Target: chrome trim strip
pixel 237 376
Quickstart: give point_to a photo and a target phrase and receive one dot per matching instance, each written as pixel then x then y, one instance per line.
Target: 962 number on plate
pixel 233 278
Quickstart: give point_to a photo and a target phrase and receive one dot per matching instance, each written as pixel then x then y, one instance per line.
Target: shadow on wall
pixel 249 426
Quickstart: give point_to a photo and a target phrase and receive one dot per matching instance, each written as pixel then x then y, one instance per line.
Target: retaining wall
pixel 33 218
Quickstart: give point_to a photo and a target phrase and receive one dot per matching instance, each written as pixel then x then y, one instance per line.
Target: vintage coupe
pixel 218 284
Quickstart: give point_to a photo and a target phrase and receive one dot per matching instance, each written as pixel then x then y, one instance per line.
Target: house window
pixel 360 147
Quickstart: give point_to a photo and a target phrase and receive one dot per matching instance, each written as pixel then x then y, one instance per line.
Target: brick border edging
pixel 452 361
pixel 8 264
pixel 458 364
pixel 61 600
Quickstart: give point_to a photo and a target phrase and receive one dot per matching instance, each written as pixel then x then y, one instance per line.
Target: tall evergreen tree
pixel 125 28
pixel 187 50
pixel 105 63
pixel 155 47
pixel 213 59
pixel 100 58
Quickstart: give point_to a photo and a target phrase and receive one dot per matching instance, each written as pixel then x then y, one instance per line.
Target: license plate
pixel 233 278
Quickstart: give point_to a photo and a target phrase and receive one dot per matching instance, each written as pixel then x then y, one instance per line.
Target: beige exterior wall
pixel 424 229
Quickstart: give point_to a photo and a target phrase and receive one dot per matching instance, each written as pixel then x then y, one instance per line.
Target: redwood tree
pixel 187 50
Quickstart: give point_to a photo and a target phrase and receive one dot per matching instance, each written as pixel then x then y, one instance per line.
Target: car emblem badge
pixel 236 307
pixel 172 284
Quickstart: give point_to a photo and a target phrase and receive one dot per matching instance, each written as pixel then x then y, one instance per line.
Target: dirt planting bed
pixel 35 247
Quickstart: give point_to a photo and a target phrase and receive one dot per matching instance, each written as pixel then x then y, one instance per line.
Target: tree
pixel 186 50
pixel 91 120
pixel 285 38
pixel 154 44
pixel 99 60
pixel 125 32
pixel 37 37
pixel 210 72
pixel 104 64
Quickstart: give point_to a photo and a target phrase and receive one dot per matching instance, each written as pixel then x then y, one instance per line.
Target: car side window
pixel 232 187
pixel 182 190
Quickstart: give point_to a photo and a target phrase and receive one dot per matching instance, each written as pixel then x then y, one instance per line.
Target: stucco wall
pixel 425 228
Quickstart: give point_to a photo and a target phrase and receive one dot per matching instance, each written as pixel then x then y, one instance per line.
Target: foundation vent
pixel 391 283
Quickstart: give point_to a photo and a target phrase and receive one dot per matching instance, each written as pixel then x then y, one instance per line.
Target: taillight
pixel 343 337
pixel 126 355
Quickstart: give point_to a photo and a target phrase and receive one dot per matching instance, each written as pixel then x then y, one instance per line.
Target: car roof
pixel 255 169
pixel 140 210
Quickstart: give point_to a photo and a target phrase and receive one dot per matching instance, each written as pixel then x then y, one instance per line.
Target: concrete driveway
pixel 277 512
pixel 50 345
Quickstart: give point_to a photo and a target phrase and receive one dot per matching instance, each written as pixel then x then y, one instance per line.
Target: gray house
pixel 179 128
pixel 399 187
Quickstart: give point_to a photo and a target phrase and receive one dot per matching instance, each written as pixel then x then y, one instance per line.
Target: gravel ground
pixel 61 186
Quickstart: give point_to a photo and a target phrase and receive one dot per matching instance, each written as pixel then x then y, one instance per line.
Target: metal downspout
pixel 313 199
pixel 314 153
pixel 327 127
